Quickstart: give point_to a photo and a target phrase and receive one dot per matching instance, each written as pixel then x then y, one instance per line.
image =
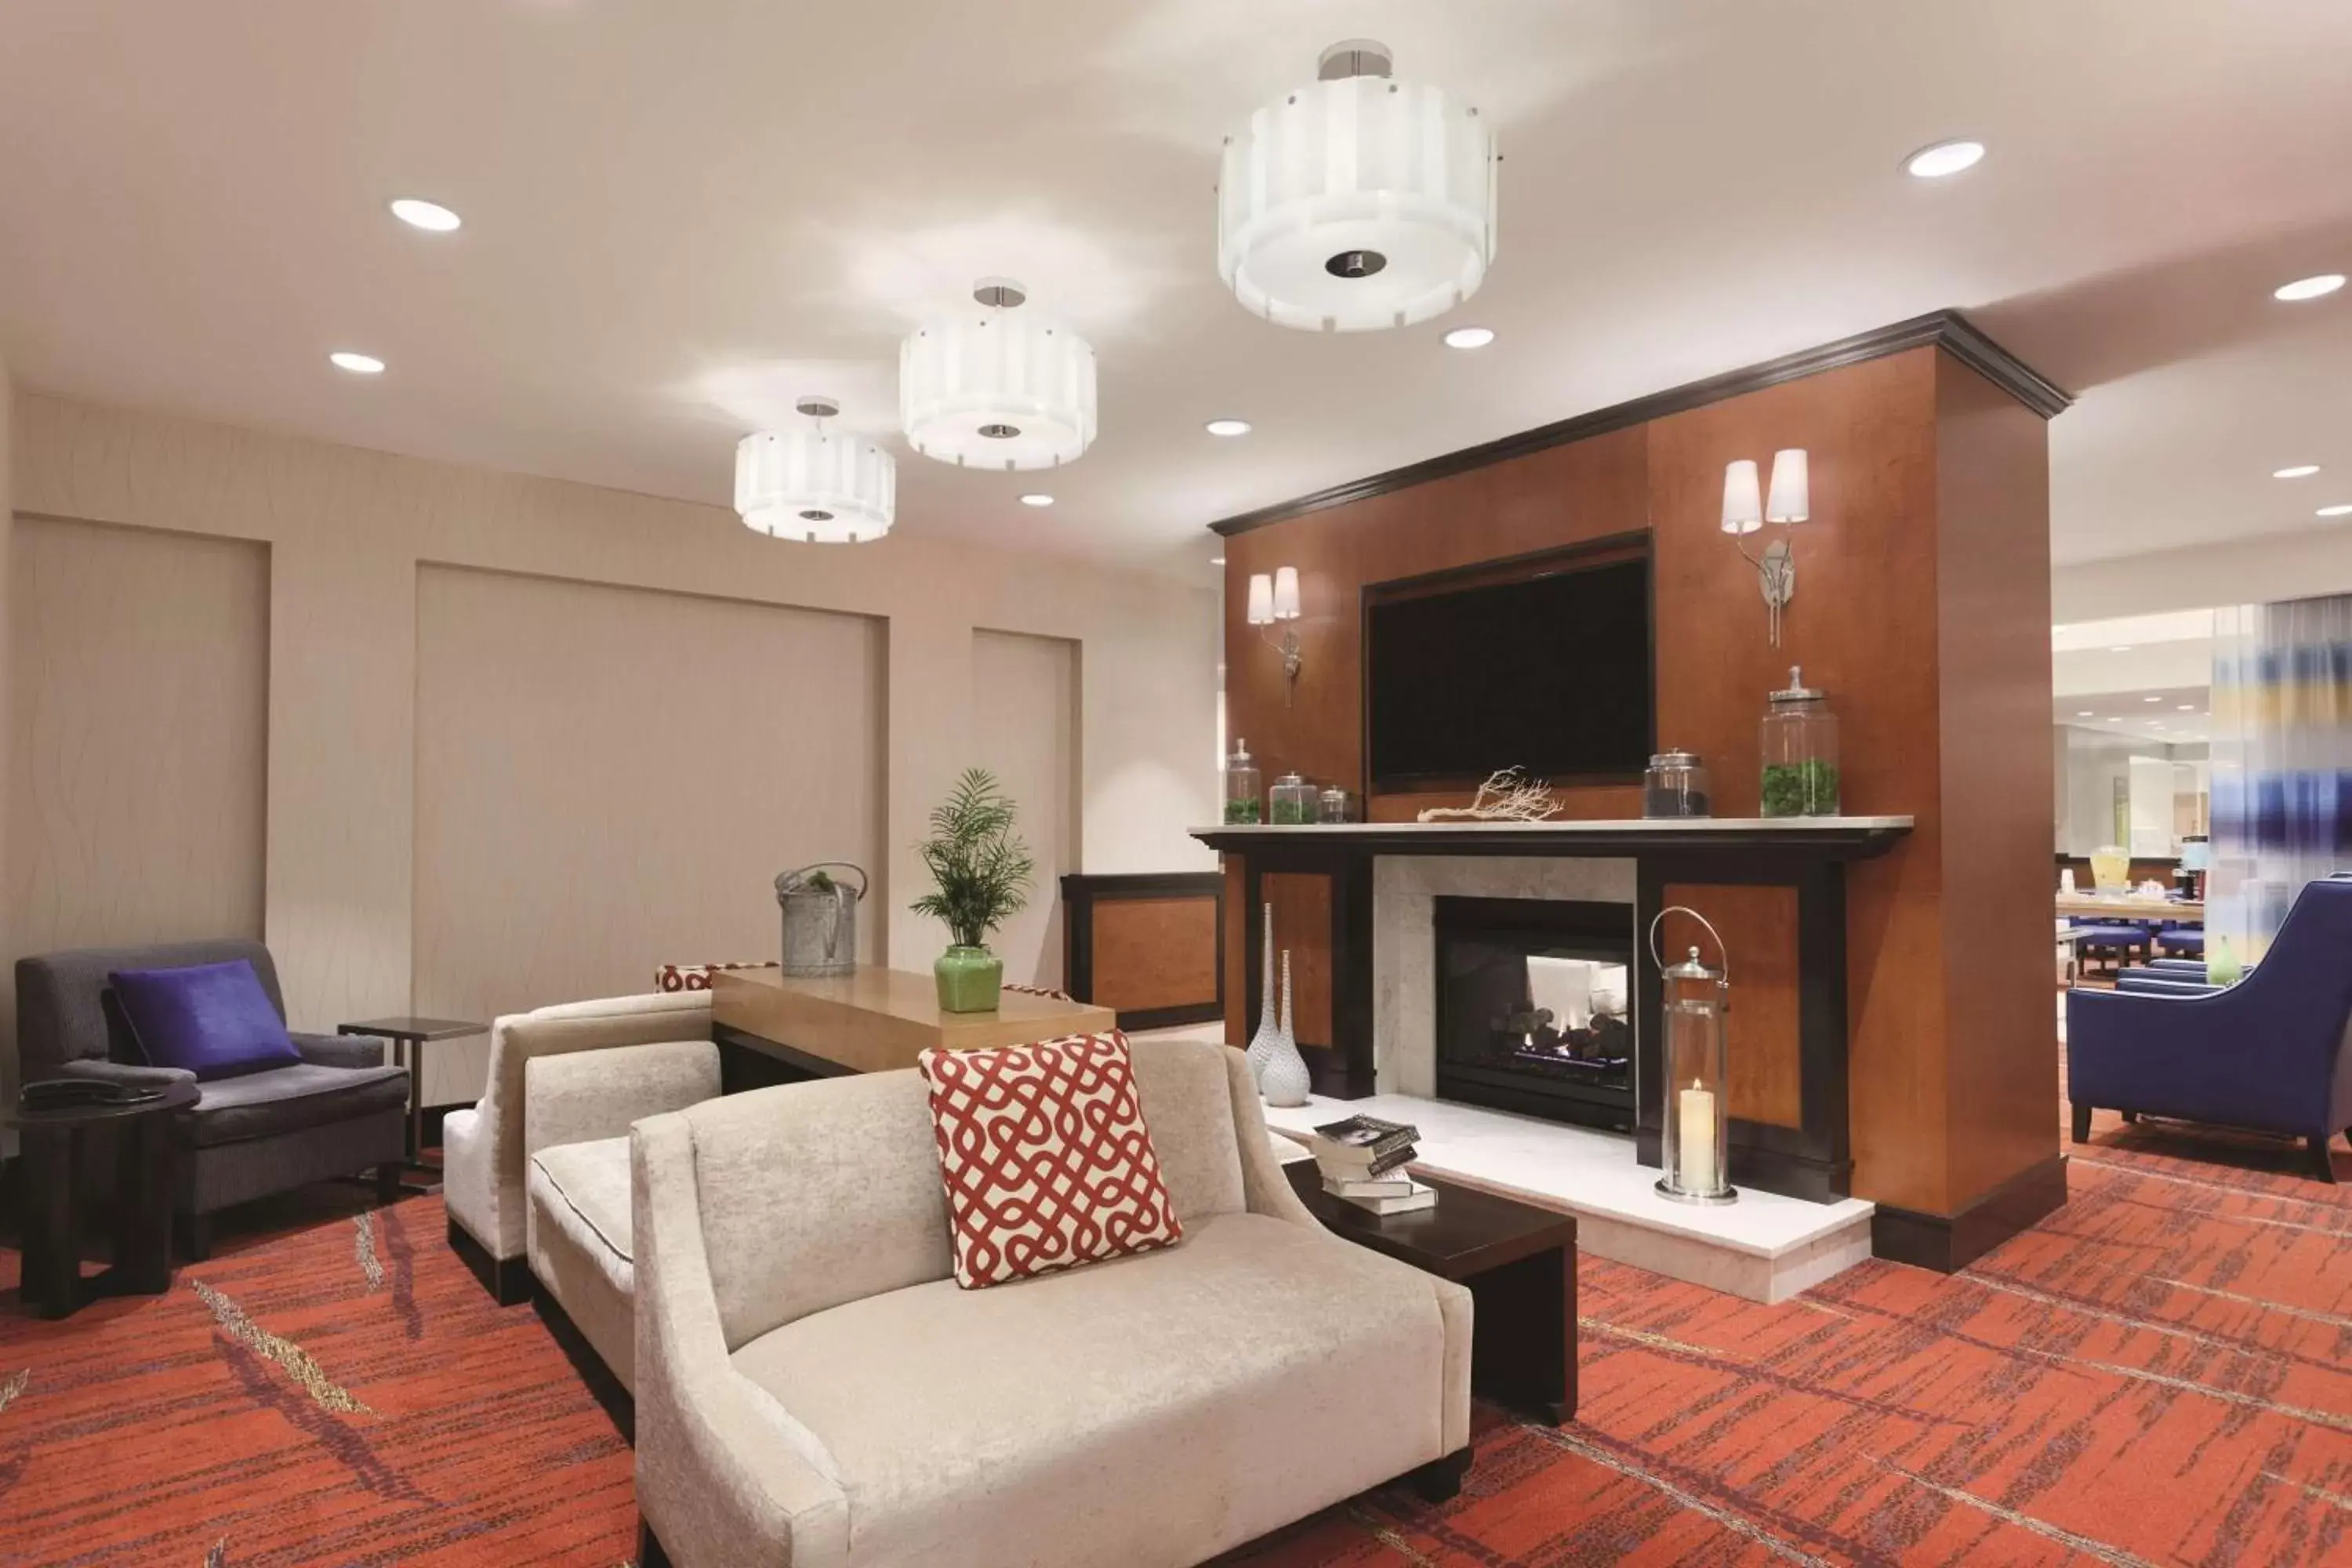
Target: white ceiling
pixel 680 215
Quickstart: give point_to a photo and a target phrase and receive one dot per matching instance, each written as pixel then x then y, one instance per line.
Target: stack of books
pixel 1364 1159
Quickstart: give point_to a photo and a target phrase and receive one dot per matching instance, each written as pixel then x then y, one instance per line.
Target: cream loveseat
pixel 813 1389
pixel 486 1148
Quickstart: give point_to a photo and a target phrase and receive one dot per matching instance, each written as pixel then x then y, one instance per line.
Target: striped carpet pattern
pixel 2159 1374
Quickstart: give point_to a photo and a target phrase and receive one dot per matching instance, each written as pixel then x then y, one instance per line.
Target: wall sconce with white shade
pixel 1275 597
pixel 1747 506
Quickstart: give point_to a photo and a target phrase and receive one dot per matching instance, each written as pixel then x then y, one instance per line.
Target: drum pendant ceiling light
pixel 815 485
pixel 997 387
pixel 1356 202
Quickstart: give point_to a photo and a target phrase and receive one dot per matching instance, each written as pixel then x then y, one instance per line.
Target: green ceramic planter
pixel 971 979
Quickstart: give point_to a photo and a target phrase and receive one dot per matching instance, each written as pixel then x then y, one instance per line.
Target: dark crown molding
pixel 1945 329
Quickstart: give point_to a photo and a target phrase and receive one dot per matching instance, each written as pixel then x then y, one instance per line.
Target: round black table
pixel 49 1142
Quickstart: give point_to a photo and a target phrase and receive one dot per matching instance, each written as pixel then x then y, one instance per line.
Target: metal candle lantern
pixel 1697 1001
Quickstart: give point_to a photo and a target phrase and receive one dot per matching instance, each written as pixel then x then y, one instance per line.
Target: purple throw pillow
pixel 214 1019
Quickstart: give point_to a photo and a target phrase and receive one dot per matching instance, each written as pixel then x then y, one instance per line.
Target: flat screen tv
pixel 1549 671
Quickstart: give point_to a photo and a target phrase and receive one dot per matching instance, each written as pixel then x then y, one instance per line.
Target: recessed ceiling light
pixel 2309 287
pixel 1216 561
pixel 357 364
pixel 1228 426
pixel 1036 499
pixel 2188 708
pixel 1944 158
pixel 431 217
pixel 2085 714
pixel 2123 647
pixel 2335 512
pixel 2300 471
pixel 1469 337
pixel 2151 699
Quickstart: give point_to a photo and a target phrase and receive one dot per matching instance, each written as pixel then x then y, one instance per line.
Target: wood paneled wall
pixel 1922 608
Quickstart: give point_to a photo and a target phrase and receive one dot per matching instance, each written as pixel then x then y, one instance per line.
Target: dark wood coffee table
pixel 141 1258
pixel 1519 1262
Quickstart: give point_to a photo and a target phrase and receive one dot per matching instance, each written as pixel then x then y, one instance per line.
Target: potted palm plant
pixel 983 873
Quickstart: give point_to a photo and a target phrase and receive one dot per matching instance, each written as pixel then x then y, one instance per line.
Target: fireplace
pixel 1534 1007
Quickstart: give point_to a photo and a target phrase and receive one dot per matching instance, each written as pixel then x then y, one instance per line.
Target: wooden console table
pixel 771 1028
pixel 1810 1160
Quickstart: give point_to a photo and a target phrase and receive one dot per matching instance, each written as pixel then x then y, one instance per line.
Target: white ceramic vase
pixel 1283 1080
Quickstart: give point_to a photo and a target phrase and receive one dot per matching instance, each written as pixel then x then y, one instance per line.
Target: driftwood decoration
pixel 1508 795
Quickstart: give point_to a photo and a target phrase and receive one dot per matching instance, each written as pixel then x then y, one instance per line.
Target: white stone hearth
pixel 1765 1248
pixel 1404 940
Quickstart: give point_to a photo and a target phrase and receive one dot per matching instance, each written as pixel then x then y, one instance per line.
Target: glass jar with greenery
pixel 1800 753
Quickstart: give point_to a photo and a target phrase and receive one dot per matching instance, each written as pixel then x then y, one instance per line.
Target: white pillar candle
pixel 1695 1145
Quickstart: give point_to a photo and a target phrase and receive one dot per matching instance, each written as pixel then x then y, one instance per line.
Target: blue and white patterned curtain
pixel 2282 762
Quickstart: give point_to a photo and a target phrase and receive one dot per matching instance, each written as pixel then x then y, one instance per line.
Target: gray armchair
pixel 337 1112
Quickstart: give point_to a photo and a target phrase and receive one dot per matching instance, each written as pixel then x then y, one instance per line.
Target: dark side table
pixel 408 1037
pixel 50 1143
pixel 1518 1261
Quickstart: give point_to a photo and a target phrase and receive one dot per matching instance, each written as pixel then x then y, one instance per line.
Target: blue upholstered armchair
pixel 2272 1052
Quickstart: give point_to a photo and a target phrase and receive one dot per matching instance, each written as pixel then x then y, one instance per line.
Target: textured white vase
pixel 1261 1044
pixel 1283 1080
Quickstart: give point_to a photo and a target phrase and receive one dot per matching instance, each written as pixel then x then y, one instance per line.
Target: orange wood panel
pixel 1758 927
pixel 1302 924
pixel 1922 594
pixel 1864 626
pixel 1993 532
pixel 1155 952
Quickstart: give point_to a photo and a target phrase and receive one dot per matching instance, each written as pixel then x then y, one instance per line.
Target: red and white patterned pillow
pixel 1046 1157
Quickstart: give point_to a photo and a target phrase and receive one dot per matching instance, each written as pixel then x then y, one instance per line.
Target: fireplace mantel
pixel 1826 837
pixel 1811 1160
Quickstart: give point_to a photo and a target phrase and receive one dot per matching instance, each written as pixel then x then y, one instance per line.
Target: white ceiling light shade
pixel 2327 283
pixel 1944 159
pixel 1356 202
pixel 992 386
pixel 1743 498
pixel 1469 337
pixel 430 217
pixel 356 362
pixel 1792 499
pixel 818 485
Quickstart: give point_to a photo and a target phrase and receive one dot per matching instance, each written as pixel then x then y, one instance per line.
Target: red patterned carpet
pixel 2159 1374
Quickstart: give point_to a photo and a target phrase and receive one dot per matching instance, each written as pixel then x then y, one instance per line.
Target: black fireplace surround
pixel 1498 1042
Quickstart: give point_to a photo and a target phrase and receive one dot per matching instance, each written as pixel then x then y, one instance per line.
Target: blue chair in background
pixel 2117 940
pixel 2182 942
pixel 2271 1052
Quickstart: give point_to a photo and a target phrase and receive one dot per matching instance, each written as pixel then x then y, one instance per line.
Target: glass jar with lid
pixel 1243 805
pixel 1800 753
pixel 1675 786
pixel 1332 805
pixel 1291 802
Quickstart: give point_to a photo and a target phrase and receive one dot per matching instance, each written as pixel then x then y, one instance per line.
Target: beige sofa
pixel 577 1108
pixel 486 1148
pixel 812 1388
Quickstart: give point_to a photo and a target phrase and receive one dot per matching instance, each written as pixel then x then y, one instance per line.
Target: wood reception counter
pixel 773 1028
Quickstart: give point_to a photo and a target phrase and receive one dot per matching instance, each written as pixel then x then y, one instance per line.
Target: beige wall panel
pixel 1025 705
pixel 138 688
pixel 347 530
pixel 608 779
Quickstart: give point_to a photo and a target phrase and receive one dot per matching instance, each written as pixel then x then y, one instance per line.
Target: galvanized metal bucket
pixel 820 921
